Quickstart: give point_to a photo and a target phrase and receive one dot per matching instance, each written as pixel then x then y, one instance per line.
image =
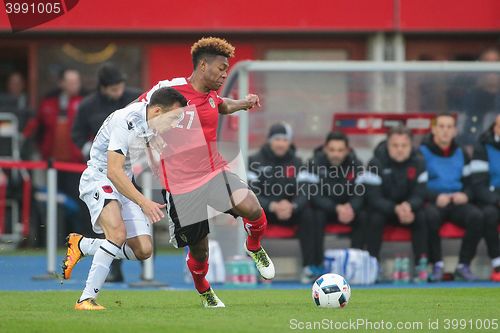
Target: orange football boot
pixel 89 304
pixel 73 254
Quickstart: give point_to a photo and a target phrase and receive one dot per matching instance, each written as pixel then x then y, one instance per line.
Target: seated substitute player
pixel 335 170
pixel 275 172
pixel 395 191
pixel 449 193
pixel 116 207
pixel 193 180
pixel 485 175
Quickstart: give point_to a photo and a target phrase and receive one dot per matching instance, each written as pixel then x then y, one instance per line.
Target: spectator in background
pixel 449 193
pixel 52 128
pixel 485 169
pixel 15 101
pixel 338 199
pixel 273 174
pixel 54 118
pixel 490 54
pixel 395 191
pixel 16 88
pixel 111 95
pixel 481 103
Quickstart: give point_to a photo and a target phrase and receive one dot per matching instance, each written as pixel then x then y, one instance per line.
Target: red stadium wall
pixel 448 15
pixel 273 15
pixel 223 15
pixel 164 29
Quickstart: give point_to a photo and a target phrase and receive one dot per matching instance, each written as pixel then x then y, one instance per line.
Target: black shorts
pixel 188 216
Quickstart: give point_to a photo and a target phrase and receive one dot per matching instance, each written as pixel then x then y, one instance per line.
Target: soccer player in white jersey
pixel 116 207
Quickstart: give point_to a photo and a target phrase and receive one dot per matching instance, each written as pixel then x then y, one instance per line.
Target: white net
pixel 309 95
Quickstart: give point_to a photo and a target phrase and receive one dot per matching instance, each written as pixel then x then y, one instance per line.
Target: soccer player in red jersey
pixel 193 175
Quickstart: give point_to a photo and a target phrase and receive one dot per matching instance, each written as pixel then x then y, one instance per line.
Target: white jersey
pixel 117 133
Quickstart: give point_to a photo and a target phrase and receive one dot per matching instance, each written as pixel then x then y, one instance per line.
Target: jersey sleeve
pixel 119 136
pixel 145 97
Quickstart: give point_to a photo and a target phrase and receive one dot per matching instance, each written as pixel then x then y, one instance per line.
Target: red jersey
pixel 55 129
pixel 191 158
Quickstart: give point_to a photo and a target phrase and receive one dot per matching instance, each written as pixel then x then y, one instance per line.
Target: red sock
pixel 198 272
pixel 255 230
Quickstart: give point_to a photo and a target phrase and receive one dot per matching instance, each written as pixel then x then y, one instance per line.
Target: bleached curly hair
pixel 211 46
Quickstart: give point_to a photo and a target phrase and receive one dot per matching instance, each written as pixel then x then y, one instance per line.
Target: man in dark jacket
pixel 481 102
pixel 111 95
pixel 274 174
pixel 449 193
pixel 395 191
pixel 339 198
pixel 485 175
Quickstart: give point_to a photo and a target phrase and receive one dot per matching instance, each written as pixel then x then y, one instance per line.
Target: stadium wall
pixel 269 16
pixel 156 37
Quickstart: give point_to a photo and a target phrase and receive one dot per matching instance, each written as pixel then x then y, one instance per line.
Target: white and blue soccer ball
pixel 331 291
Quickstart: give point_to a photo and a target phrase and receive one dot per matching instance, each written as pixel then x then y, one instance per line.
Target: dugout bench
pixel 373 124
pixel 366 124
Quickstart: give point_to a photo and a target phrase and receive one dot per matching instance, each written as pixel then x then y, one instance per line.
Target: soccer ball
pixel 331 291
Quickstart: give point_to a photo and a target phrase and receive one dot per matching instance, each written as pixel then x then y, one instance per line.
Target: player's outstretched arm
pixel 123 184
pixel 232 105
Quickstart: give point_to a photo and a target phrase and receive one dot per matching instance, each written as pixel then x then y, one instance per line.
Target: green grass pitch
pixel 252 311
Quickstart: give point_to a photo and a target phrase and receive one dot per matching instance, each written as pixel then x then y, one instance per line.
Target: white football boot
pixel 262 261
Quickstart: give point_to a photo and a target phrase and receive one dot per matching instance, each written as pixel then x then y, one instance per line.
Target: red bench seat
pixel 391 233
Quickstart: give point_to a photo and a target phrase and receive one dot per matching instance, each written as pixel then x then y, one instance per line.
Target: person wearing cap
pixel 111 95
pixel 276 174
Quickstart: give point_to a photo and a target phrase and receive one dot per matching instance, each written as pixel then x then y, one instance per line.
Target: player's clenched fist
pixel 152 210
pixel 252 100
